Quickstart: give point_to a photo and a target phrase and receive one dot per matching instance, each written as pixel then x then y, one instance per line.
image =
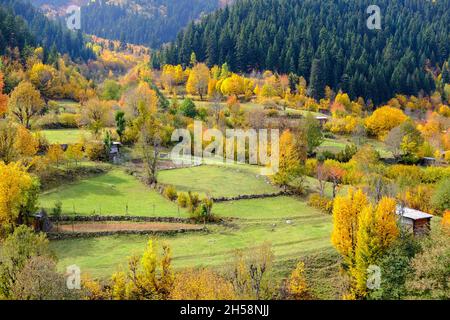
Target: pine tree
pixel 316 81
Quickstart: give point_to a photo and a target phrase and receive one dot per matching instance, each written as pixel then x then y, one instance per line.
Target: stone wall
pixel 254 196
pixel 102 218
pixel 75 235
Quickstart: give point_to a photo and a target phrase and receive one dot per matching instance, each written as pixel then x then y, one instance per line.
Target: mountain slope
pixel 147 22
pixel 48 33
pixel 328 37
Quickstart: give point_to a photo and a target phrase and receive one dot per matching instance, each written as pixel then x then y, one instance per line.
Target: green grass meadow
pixel 65 136
pixel 110 194
pixel 293 229
pixel 217 180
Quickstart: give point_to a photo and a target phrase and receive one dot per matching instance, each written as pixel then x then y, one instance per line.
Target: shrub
pixel 95 151
pixel 441 197
pixel 170 193
pixel 182 199
pixel 407 175
pixel 311 167
pixel 193 201
pixel 347 154
pixel 322 203
pixel 419 198
pixel 204 211
pixel 57 209
pixel 435 174
pixel 325 155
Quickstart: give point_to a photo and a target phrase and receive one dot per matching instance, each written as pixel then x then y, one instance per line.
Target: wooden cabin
pixel 418 222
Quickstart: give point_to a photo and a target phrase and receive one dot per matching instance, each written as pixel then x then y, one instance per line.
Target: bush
pixel 322 203
pixel 347 154
pixel 95 151
pixel 441 197
pixel 407 175
pixel 193 201
pixel 170 193
pixel 325 155
pixel 188 108
pixel 69 120
pixel 182 199
pixel 435 174
pixel 203 212
pixel 311 167
pixel 57 209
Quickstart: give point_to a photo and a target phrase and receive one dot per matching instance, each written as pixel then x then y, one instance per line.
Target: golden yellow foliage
pixel 297 285
pixel 201 284
pixel 198 80
pixel 25 103
pixel 346 212
pixel 55 154
pixel 289 160
pixel 446 220
pixel 25 143
pixel 377 230
pixel 14 183
pixel 384 119
pixel 148 277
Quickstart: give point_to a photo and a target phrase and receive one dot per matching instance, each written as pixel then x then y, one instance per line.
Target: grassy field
pixel 294 230
pixel 65 136
pixel 110 194
pixel 217 180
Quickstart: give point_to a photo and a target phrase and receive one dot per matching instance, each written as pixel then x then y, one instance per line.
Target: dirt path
pixel 123 226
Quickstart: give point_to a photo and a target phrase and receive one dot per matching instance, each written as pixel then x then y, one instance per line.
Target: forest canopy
pixel 326 42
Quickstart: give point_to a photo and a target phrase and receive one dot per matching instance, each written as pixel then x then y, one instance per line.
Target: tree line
pixel 326 42
pixel 26 25
pixel 155 23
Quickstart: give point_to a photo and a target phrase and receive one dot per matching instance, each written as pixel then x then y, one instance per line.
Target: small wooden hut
pixel 416 221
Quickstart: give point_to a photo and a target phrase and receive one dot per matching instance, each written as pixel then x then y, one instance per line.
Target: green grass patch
pixel 65 136
pixel 308 232
pixel 218 180
pixel 110 194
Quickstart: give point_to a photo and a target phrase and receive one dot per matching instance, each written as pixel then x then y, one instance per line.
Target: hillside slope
pixel 147 22
pixel 326 42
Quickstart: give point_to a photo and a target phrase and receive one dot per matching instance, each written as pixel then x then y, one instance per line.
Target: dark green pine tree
pixel 316 81
pixel 304 63
pixel 446 73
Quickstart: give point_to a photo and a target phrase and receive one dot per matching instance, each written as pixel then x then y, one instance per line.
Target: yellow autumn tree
pixel 384 119
pixel 202 284
pixel 289 161
pixel 236 85
pixel 147 278
pixel 25 103
pixel 297 285
pixel 198 80
pixel 74 153
pixel 377 230
pixel 55 154
pixel 446 220
pixel 168 77
pixel 15 181
pixel 25 143
pixel 346 211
